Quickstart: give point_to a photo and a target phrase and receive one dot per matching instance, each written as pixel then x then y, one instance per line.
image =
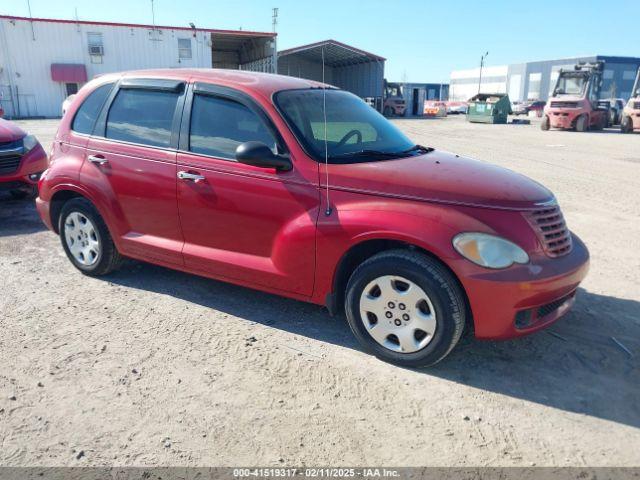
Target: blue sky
pixel 422 40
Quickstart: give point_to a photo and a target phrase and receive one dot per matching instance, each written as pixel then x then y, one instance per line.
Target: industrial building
pixel 42 61
pixel 535 80
pixel 346 67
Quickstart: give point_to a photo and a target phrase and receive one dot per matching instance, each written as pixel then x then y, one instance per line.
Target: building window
pixel 71 88
pixel 96 47
pixel 629 75
pixel 184 48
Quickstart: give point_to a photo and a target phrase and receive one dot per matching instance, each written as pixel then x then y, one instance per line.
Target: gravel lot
pixel 154 367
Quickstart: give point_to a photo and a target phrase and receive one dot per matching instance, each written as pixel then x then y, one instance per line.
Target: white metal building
pixel 42 61
pixel 535 80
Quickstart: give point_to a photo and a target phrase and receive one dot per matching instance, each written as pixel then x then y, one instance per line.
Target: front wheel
pixel 626 125
pixel 405 307
pixel 582 123
pixel 86 239
pixel 546 123
pixel 387 112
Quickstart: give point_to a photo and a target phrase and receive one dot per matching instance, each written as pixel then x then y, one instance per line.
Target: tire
pixel 387 112
pixel 626 124
pixel 29 192
pixel 545 124
pixel 445 304
pixel 100 255
pixel 582 123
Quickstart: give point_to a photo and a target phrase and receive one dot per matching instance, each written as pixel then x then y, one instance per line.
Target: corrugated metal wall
pixel 362 79
pixel 26 61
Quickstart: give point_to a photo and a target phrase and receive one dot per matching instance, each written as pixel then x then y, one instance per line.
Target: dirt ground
pixel 154 367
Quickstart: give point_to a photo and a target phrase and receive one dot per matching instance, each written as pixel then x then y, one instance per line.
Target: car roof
pixel 264 84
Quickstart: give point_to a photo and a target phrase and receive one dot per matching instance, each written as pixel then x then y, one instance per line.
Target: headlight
pixel 29 143
pixel 488 250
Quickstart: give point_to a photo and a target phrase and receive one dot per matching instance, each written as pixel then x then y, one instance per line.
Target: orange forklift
pixel 631 113
pixel 574 101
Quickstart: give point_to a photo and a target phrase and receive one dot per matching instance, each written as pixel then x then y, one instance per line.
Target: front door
pixel 131 168
pixel 242 223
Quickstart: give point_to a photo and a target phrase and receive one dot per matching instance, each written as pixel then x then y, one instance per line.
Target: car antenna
pixel 327 211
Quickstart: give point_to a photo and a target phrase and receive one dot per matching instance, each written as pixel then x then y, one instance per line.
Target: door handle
pixel 97 159
pixel 190 176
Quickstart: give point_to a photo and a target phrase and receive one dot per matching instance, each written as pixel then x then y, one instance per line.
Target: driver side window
pixel 219 125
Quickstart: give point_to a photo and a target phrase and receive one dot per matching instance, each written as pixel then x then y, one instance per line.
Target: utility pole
pixel 274 43
pixel 482 58
pixel 33 33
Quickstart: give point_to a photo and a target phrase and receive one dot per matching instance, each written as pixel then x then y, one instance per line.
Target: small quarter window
pixel 219 125
pixel 88 112
pixel 142 116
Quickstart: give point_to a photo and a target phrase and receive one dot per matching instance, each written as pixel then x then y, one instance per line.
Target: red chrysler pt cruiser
pixel 303 190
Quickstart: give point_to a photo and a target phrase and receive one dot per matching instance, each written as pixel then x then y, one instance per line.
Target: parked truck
pixel 574 101
pixel 631 113
pixel 393 102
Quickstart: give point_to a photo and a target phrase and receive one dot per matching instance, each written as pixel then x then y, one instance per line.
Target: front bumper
pixel 33 162
pixel 563 118
pixel 525 298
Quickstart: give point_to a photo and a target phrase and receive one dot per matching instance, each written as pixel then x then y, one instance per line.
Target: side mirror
pixel 260 155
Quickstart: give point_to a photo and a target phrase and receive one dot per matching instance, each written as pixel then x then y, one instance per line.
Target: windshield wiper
pixel 368 153
pixel 419 148
pixel 382 153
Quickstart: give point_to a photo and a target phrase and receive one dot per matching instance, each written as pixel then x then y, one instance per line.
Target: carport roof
pixel 336 53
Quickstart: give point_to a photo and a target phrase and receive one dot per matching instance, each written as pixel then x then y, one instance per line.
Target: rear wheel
pixel 86 239
pixel 546 123
pixel 581 123
pixel 626 125
pixel 405 307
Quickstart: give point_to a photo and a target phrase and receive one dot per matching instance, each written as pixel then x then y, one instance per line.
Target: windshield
pixel 571 85
pixel 355 131
pixel 394 90
pixel 636 86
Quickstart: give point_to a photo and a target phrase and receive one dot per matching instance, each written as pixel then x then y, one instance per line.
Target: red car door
pixel 131 168
pixel 242 223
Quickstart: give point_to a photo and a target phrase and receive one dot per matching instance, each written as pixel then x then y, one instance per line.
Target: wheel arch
pixel 58 199
pixel 361 251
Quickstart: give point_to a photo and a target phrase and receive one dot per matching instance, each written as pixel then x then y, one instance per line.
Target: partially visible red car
pixel 302 190
pixel 22 160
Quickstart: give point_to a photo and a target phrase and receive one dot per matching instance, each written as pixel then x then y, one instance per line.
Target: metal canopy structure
pixel 336 54
pixel 346 67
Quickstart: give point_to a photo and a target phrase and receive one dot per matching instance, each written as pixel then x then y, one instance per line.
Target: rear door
pixel 240 222
pixel 131 167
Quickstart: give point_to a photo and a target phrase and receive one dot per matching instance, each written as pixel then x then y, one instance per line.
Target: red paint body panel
pixel 34 161
pixel 268 230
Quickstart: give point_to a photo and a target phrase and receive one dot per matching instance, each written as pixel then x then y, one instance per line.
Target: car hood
pixel 10 132
pixel 442 177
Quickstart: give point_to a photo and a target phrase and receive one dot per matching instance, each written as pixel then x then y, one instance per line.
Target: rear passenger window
pixel 219 125
pixel 86 115
pixel 142 116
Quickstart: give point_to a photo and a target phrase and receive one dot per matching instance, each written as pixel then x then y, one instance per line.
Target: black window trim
pixel 95 122
pixel 157 84
pixel 227 93
pixel 297 134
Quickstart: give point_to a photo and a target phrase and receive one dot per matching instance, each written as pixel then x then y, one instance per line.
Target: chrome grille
pixel 636 105
pixel 551 229
pixel 564 104
pixel 10 156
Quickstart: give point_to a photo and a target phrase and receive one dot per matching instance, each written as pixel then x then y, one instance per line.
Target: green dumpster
pixel 489 108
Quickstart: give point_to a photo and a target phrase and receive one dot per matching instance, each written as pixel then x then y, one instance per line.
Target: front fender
pixel 427 226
